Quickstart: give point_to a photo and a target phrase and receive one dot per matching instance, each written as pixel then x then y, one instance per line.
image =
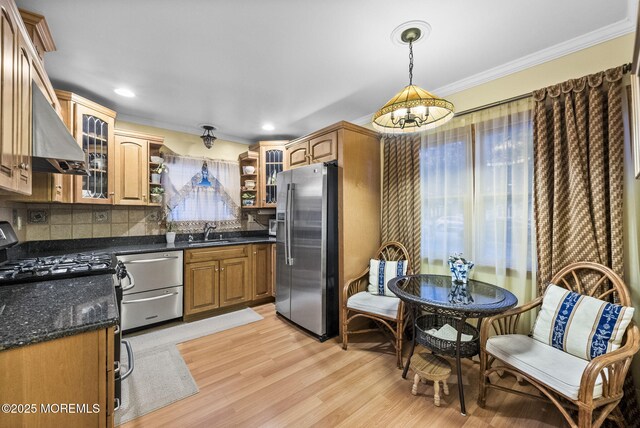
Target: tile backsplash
pixel 37 222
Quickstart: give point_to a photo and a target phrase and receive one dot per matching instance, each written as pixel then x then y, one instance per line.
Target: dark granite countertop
pixel 185 245
pixel 40 311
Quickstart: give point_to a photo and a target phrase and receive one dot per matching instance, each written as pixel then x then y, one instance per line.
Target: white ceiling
pixel 298 64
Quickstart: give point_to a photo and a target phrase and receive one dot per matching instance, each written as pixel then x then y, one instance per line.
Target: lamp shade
pixel 412 110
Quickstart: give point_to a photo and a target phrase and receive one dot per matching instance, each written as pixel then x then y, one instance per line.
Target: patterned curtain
pixel 578 181
pixel 401 194
pixel 579 160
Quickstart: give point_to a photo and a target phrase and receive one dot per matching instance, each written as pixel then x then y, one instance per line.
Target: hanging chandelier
pixel 208 138
pixel 412 109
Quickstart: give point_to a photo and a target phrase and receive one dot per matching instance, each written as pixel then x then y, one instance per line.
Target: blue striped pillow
pixel 381 271
pixel 580 325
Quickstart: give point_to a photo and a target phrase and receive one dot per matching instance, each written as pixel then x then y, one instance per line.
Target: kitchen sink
pixel 213 242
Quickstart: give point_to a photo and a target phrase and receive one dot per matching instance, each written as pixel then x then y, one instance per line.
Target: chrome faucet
pixel 207 230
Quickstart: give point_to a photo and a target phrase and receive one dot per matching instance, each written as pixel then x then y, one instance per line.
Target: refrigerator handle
pixel 288 224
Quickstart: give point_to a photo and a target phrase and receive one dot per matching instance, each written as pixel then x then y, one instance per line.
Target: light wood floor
pixel 270 374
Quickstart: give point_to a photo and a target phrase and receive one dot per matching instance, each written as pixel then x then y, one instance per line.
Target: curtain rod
pixel 626 68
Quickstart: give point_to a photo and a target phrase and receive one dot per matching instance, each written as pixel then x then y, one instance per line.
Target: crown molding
pixel 180 128
pixel 559 50
pixel 567 47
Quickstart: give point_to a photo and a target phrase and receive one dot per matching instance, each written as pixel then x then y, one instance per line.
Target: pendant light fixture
pixel 412 109
pixel 208 138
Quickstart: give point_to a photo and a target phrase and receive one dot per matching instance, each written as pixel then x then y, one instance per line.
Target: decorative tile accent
pixel 39 216
pixel 102 216
pixel 153 215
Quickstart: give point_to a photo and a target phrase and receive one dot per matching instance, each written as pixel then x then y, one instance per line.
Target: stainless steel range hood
pixel 54 149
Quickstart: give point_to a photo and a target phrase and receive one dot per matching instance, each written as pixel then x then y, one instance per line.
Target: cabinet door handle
pixel 112 193
pixel 216 269
pixel 222 269
pixel 58 186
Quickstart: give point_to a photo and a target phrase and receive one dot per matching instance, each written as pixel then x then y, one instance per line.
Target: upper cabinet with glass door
pixel 93 128
pixel 271 163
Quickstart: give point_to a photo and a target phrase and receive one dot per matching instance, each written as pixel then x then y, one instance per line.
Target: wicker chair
pixel 389 321
pixel 609 369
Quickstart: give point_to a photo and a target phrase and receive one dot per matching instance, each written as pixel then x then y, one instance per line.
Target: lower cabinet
pixel 261 278
pixel 75 369
pixel 217 277
pixel 201 287
pixel 235 285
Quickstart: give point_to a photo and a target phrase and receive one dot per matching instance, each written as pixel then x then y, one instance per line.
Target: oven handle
pixel 132 282
pixel 130 362
pixel 164 296
pixel 159 259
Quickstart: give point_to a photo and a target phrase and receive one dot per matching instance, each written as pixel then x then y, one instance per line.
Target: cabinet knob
pixel 112 193
pixel 22 166
pixel 216 269
pixel 221 268
pixel 255 252
pixel 58 186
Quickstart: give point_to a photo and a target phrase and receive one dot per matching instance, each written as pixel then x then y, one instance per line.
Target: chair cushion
pixel 580 325
pixel 380 305
pixel 381 271
pixel 544 363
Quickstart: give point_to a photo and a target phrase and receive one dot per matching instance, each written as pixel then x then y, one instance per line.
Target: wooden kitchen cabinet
pixel 321 148
pixel 261 278
pixel 297 155
pixel 219 277
pixel 235 281
pixel 201 287
pixel 216 277
pixel 271 162
pixel 20 64
pixel 92 125
pixel 131 169
pixel 22 141
pixel 272 272
pixel 357 151
pixel 73 369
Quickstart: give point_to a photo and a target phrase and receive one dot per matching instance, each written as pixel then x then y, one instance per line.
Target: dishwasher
pixel 156 294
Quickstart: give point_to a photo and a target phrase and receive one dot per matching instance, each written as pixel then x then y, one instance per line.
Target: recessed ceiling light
pixel 124 92
pixel 268 127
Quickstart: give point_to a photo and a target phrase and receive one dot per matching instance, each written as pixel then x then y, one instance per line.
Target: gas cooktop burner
pixel 55 267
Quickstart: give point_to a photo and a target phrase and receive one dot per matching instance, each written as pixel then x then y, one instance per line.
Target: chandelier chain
pixel 410 62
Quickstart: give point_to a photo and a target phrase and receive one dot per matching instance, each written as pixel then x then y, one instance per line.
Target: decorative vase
pixel 171 237
pixel 249 169
pixel 155 178
pixel 460 269
pixel 250 184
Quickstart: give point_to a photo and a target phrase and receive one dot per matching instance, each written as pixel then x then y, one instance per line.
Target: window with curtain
pixel 200 190
pixel 477 190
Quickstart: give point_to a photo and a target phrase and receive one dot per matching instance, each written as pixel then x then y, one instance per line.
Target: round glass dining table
pixel 439 295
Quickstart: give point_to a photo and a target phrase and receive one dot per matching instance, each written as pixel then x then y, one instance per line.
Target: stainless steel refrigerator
pixel 307 248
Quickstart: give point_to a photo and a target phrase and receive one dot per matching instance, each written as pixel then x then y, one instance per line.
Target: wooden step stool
pixel 430 367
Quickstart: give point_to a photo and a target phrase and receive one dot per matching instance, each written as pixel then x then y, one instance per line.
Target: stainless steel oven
pixel 157 294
